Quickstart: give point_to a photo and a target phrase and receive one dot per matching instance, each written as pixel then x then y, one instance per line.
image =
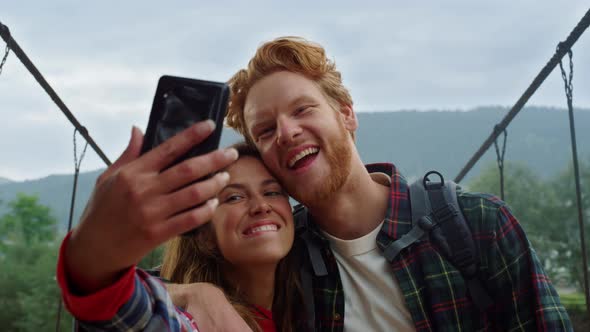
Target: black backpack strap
pixel 453 236
pixel 436 213
pixel 422 223
pixel 316 265
pixel 313 249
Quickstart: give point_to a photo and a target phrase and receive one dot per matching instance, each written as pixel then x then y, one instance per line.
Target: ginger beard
pixel 338 154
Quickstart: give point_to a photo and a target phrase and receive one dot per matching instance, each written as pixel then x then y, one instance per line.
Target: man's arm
pixel 208 306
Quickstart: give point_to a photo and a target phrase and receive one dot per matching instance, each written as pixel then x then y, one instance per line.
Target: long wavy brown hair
pixel 189 259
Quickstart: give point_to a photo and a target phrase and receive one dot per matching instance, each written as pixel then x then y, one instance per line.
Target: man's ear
pixel 349 118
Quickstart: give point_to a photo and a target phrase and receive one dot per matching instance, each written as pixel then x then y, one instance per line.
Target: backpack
pixel 435 213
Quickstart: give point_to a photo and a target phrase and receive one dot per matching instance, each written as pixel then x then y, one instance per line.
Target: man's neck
pixel 256 283
pixel 356 209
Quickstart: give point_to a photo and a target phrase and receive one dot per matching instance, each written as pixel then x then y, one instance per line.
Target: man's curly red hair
pixel 294 54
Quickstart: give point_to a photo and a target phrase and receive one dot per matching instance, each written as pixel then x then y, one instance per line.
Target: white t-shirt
pixel 373 300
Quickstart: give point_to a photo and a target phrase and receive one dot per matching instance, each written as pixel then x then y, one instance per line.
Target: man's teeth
pixel 263 228
pixel 302 154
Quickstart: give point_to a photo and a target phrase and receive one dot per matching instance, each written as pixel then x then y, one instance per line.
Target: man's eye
pixel 266 133
pixel 300 110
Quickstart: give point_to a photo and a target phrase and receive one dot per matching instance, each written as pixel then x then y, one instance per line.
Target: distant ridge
pixel 416 141
pixel 4 180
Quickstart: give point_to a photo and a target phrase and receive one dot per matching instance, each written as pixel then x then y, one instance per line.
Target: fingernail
pixel 213 202
pixel 223 177
pixel 205 127
pixel 231 153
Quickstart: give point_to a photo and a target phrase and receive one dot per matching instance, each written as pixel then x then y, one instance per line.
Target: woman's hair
pixel 197 258
pixel 293 54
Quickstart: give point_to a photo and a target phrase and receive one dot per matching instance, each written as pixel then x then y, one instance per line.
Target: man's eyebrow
pixel 263 121
pixel 303 99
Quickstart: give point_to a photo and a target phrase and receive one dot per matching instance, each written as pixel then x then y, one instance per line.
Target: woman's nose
pixel 260 206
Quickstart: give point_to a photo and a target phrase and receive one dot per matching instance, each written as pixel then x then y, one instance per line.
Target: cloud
pixel 104 58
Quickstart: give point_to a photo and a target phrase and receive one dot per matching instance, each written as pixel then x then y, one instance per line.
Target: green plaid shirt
pixel 435 292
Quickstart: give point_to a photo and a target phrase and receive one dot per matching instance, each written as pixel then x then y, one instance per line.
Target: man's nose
pixel 287 130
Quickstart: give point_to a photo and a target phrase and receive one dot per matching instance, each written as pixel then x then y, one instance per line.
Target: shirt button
pixel 337 316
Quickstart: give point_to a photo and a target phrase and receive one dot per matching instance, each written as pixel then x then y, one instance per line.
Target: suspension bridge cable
pixel 569 88
pixel 500 160
pixel 5 33
pixel 77 163
pixel 555 59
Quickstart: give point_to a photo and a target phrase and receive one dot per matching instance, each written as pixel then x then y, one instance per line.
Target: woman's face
pixel 253 223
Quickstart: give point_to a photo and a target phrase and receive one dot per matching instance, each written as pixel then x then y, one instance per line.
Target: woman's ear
pixel 349 118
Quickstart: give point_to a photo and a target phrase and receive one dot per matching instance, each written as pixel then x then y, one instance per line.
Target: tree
pixel 533 202
pixel 29 295
pixel 27 221
pixel 564 186
pixel 546 210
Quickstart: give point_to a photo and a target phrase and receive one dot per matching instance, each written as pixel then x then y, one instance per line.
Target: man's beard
pixel 338 155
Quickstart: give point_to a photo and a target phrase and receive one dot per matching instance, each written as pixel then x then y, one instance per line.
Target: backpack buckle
pixel 429 185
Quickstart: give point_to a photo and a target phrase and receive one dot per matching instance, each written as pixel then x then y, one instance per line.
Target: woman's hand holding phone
pixel 141 201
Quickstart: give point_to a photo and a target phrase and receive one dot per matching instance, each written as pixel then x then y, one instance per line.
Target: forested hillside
pixel 415 141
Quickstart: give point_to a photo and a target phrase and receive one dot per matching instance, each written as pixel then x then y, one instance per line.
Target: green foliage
pixel 546 208
pixel 153 259
pixel 29 295
pixel 573 301
pixel 27 221
pixel 575 304
pixel 567 209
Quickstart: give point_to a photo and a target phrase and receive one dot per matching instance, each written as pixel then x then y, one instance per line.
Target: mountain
pixel 415 141
pixel 420 141
pixel 4 180
pixel 54 191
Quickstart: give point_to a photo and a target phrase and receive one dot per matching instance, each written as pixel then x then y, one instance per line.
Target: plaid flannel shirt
pixel 435 292
pixel 149 308
pixel 135 302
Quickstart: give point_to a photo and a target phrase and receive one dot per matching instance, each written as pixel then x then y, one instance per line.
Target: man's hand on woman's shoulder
pixel 208 305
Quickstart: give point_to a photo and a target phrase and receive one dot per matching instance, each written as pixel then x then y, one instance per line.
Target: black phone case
pixel 180 102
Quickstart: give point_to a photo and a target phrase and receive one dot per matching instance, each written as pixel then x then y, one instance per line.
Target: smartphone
pixel 179 103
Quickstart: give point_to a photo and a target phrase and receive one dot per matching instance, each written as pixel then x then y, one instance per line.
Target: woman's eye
pixel 233 198
pixel 274 193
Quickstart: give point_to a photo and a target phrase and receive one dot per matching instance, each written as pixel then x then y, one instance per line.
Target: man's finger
pixel 195 168
pixel 166 153
pixel 193 195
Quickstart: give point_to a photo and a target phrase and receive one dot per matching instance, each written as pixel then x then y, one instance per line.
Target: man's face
pixel 303 140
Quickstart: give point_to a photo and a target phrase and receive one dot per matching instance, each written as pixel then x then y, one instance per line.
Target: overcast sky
pixel 105 57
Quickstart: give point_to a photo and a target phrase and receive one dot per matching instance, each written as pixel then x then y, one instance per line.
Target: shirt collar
pixel 398 219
